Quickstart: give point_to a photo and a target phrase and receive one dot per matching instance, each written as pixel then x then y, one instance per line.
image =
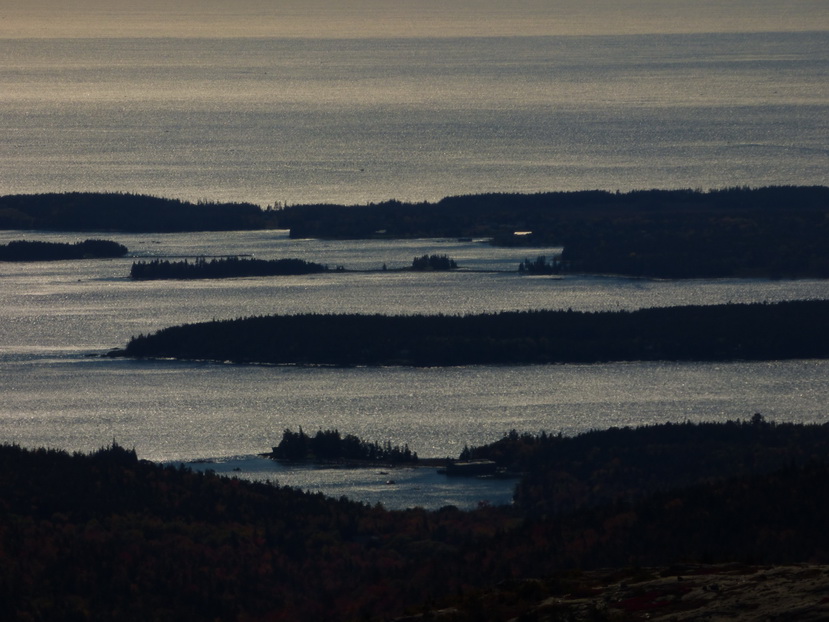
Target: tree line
pixel 541 265
pixel 758 331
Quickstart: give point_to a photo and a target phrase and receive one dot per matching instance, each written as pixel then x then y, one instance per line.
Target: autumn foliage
pixel 109 536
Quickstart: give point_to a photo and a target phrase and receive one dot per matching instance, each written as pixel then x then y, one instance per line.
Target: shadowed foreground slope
pixel 106 536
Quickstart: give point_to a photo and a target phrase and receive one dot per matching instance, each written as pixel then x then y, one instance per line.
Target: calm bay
pixel 57 317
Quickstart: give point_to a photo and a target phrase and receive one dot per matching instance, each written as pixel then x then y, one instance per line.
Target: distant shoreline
pixel 769 232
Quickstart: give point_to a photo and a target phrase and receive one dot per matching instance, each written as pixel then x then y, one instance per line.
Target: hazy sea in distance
pixel 359 120
pixel 354 121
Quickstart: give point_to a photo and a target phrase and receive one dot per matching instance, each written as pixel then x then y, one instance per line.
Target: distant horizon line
pixel 388 37
pixel 383 19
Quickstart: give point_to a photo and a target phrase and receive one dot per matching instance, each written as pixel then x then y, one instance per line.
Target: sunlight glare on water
pixel 359 120
pixel 56 318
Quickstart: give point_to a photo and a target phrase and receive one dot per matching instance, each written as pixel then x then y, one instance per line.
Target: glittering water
pixel 349 121
pixel 356 120
pixel 53 315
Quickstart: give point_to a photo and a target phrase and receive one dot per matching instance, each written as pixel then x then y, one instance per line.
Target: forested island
pixel 226 267
pixel 777 232
pixel 759 331
pixel 28 250
pixel 615 525
pixel 232 267
pixel 329 446
pixel 434 263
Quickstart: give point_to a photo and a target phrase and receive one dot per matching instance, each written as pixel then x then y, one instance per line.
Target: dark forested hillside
pixel 107 536
pixel 86 211
pixel 563 473
pixel 726 332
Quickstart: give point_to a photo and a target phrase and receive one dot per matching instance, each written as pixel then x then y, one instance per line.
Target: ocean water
pixel 271 120
pixel 359 120
pixel 57 318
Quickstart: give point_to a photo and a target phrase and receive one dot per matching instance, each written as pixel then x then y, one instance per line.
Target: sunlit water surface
pixel 56 317
pixel 351 121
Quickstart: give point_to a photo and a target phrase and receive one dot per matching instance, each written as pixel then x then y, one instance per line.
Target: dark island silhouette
pixel 434 263
pixel 777 231
pixel 28 250
pixel 90 211
pixel 232 267
pixel 607 525
pixel 226 267
pixel 780 231
pixel 759 331
pixel 329 446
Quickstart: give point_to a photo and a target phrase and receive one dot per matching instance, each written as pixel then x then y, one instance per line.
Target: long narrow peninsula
pixel 759 331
